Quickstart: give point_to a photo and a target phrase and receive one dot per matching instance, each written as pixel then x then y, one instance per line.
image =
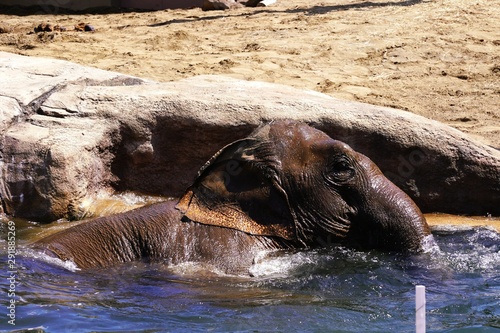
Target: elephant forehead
pixel 298 145
pixel 293 135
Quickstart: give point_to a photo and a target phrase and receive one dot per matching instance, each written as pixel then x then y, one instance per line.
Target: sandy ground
pixel 439 59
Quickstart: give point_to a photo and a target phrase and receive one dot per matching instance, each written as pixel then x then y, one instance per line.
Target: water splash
pixel 479 251
pixel 291 291
pixel 66 264
pixel 104 203
pixel 429 245
pixel 199 269
pixel 275 264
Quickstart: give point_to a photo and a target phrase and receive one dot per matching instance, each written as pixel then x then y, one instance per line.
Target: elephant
pixel 287 186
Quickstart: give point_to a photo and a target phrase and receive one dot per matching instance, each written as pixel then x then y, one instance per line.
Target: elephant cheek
pixel 323 216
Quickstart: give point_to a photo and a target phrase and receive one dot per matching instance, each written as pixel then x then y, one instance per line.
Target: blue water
pixel 332 290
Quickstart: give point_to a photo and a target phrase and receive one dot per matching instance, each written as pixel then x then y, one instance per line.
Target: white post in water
pixel 420 308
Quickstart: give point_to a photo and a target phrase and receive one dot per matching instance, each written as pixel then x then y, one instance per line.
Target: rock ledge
pixel 70 131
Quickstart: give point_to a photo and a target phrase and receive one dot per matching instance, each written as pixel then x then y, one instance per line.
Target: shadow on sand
pixel 314 10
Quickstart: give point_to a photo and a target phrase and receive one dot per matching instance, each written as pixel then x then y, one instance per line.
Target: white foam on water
pixel 429 245
pixel 66 264
pixel 266 265
pixel 478 251
pixel 196 268
pixel 481 256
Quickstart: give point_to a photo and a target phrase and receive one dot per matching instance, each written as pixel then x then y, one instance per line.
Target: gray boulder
pixel 220 4
pixel 232 4
pixel 71 131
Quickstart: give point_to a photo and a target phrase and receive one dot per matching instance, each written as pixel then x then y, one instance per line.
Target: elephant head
pixel 291 181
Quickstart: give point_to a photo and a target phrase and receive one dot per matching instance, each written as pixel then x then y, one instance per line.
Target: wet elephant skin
pixel 286 186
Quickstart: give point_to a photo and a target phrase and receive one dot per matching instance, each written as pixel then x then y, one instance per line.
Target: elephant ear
pixel 239 188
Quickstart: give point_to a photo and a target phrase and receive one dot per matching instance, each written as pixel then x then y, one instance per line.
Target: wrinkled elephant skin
pixel 286 186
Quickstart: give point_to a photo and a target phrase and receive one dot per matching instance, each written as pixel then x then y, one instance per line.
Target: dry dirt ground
pixel 439 59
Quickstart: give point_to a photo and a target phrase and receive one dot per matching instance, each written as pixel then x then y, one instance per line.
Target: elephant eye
pixel 340 171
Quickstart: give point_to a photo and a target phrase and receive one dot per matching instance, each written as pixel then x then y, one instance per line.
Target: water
pixel 331 290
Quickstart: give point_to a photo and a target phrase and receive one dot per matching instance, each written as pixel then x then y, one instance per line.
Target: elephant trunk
pixel 390 219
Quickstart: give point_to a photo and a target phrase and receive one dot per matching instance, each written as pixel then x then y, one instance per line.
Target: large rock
pixel 232 4
pixel 220 4
pixel 70 131
pixel 48 164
